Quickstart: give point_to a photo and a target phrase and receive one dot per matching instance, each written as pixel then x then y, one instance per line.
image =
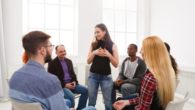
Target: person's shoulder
pixel 17 74
pixel 149 75
pixel 68 59
pixel 55 59
pixel 125 59
pixel 52 77
pixel 140 60
pixel 50 80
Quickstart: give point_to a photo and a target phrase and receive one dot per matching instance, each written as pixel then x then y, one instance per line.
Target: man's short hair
pixel 135 46
pixel 33 40
pixel 58 46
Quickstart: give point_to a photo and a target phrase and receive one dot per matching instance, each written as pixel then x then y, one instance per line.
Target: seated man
pixel 131 74
pixel 31 83
pixel 62 67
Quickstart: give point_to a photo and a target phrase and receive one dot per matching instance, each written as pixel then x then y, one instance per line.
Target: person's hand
pixel 106 53
pixel 119 82
pixel 119 105
pixel 69 86
pixel 74 84
pixel 99 52
pixel 72 109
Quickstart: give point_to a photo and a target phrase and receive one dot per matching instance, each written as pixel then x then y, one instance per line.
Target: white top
pixel 130 68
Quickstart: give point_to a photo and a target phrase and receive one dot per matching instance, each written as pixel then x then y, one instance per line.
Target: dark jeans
pixel 79 89
pixel 125 89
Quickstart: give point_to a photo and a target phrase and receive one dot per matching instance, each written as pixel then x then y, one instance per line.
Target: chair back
pixel 178 104
pixel 25 106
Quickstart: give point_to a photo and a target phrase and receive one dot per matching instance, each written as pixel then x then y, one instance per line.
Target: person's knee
pixel 84 91
pixel 128 88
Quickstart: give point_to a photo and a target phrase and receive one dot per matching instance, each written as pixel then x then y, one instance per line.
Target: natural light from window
pixel 120 16
pixel 58 18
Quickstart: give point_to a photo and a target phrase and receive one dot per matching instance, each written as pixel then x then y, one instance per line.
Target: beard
pixel 47 58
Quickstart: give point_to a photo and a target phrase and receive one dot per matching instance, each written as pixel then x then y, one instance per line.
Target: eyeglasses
pixel 51 45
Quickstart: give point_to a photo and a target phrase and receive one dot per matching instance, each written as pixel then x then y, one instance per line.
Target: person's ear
pixel 42 50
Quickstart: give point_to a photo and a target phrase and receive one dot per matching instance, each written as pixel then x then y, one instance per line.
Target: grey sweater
pixel 139 72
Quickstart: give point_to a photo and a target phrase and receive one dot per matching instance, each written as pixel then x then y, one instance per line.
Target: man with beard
pixel 31 83
pixel 131 74
pixel 62 67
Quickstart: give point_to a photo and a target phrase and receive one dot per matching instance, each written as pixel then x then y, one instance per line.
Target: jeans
pixel 79 89
pixel 68 102
pixel 126 90
pixel 89 108
pixel 106 84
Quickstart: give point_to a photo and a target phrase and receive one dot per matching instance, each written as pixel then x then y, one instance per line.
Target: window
pixel 120 17
pixel 58 18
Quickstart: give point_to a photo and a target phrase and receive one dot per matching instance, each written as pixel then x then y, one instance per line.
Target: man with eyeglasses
pixel 62 67
pixel 32 83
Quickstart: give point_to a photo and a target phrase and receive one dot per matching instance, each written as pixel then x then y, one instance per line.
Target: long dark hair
pixel 173 61
pixel 106 39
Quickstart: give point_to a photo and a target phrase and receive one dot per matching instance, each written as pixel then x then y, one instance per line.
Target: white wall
pixel 12 22
pixel 170 19
pixel 1 85
pixel 174 21
pixel 3 66
pixel 89 15
pixel 1 37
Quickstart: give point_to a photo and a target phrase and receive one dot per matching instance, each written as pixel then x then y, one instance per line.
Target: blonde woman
pixel 158 84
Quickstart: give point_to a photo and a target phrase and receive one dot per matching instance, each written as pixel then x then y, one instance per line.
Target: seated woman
pixel 173 62
pixel 158 84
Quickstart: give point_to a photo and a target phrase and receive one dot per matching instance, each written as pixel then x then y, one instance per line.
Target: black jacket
pixel 55 67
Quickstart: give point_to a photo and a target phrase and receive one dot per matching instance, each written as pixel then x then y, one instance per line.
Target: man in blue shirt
pixel 31 83
pixel 62 67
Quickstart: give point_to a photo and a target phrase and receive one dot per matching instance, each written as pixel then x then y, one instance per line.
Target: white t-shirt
pixel 131 68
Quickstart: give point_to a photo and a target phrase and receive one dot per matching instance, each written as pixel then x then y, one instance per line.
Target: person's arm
pixel 148 88
pixel 113 58
pixel 57 102
pixel 54 95
pixel 50 68
pixel 73 72
pixel 120 78
pixel 141 69
pixel 91 55
pixel 121 73
pixel 120 104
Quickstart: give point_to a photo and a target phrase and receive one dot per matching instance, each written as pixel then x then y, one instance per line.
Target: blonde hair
pixel 158 62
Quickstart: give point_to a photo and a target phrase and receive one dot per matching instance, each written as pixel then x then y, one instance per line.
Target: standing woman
pixel 158 84
pixel 102 52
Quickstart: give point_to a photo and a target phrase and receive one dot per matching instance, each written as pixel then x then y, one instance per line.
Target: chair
pixel 178 104
pixel 87 68
pixel 177 82
pixel 25 106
